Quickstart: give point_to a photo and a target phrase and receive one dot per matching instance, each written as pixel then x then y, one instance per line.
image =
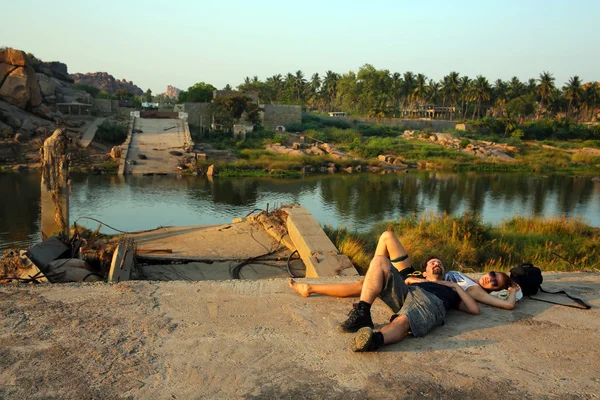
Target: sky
pixel 178 43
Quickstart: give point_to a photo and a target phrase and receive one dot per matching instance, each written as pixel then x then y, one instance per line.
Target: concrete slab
pixel 214 242
pixel 158 137
pixel 258 339
pixel 319 254
pixel 90 132
pixel 43 253
pixel 122 262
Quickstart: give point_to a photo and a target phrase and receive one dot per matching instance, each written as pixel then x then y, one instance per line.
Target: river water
pixel 354 201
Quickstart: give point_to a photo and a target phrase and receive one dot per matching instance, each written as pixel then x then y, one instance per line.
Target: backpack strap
pixel 584 305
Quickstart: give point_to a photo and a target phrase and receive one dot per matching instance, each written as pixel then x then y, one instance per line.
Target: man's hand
pixel 411 280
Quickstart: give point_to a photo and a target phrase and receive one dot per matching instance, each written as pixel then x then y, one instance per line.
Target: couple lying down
pixel 419 303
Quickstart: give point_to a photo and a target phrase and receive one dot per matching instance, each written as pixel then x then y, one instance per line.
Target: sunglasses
pixel 494 279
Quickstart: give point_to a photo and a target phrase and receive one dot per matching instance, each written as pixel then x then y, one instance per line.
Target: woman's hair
pixel 507 282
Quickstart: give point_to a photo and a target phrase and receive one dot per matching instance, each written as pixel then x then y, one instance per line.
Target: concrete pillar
pixel 54 190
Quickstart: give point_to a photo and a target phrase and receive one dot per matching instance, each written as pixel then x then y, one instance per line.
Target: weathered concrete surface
pixel 158 137
pixel 216 242
pixel 90 132
pixel 259 339
pixel 321 257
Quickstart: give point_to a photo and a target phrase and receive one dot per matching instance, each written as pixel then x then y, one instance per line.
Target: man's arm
pixel 411 280
pixel 467 303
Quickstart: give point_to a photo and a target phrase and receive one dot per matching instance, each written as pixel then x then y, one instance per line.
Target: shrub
pixel 518 134
pixel 111 132
pixel 465 142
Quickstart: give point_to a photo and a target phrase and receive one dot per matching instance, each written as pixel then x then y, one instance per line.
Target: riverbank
pixel 466 244
pixel 259 339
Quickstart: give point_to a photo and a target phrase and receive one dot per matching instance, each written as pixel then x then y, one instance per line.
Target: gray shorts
pixel 423 310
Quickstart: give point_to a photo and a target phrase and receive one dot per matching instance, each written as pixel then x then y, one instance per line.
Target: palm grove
pixel 379 93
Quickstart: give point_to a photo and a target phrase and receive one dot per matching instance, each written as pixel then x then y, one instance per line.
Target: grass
pixel 554 244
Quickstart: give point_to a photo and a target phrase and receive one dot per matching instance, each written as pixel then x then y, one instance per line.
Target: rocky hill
pixel 172 92
pixel 107 82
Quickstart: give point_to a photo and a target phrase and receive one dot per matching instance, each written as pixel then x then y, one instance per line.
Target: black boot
pixel 358 318
pixel 366 340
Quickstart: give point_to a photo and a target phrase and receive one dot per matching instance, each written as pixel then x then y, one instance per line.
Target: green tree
pixel 545 88
pixel 451 90
pixel 199 93
pixel 330 88
pixel 148 95
pixel 591 97
pixel 500 93
pixel 573 92
pixel 228 110
pixel 481 93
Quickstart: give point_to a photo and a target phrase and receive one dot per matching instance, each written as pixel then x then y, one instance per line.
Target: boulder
pixel 14 122
pixel 47 88
pixel 27 126
pixel 21 89
pixel 43 111
pixel 58 70
pixel 596 179
pixel 116 152
pixel 13 57
pixel 14 90
pixel 5 130
pixel 5 70
pixel 348 170
pixel 21 137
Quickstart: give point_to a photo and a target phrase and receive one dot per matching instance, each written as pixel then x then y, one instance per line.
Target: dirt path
pixel 258 339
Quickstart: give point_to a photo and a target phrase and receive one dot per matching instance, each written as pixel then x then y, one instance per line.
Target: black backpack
pixel 530 279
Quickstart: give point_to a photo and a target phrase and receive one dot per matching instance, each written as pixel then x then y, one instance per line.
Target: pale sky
pixel 158 43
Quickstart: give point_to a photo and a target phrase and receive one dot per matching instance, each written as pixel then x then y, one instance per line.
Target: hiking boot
pixel 364 340
pixel 357 318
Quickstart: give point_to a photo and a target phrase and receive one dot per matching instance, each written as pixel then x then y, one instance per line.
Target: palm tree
pixel 314 88
pixel 573 92
pixel 419 93
pixel 481 93
pixel 465 88
pixel 299 84
pixel 545 88
pixel 500 94
pixel 407 88
pixel 451 88
pixel 515 88
pixel 434 94
pixel 330 87
pixel 591 97
pixel 396 91
pixel 531 86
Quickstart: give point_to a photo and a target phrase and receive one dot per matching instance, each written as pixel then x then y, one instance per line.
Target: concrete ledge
pixel 318 253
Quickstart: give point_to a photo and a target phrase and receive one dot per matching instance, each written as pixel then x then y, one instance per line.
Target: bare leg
pixel 350 289
pixel 389 246
pixel 376 276
pixel 396 330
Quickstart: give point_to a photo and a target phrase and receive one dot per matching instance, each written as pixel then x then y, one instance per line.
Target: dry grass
pixel 561 244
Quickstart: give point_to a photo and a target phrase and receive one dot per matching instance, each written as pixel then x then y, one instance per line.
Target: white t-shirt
pixel 465 282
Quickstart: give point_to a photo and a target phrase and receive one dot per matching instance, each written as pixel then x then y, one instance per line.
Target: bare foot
pixel 302 288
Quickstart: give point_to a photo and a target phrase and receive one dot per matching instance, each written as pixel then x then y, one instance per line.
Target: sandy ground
pixel 258 339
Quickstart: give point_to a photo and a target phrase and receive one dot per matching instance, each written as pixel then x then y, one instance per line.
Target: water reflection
pixel 353 201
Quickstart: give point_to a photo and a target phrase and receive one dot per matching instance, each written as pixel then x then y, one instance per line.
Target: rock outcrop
pixel 172 92
pixel 107 82
pixel 18 82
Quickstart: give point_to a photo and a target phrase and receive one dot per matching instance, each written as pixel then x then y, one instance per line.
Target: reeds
pixel 557 244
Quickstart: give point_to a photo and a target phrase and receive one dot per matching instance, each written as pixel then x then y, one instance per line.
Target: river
pixel 355 201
